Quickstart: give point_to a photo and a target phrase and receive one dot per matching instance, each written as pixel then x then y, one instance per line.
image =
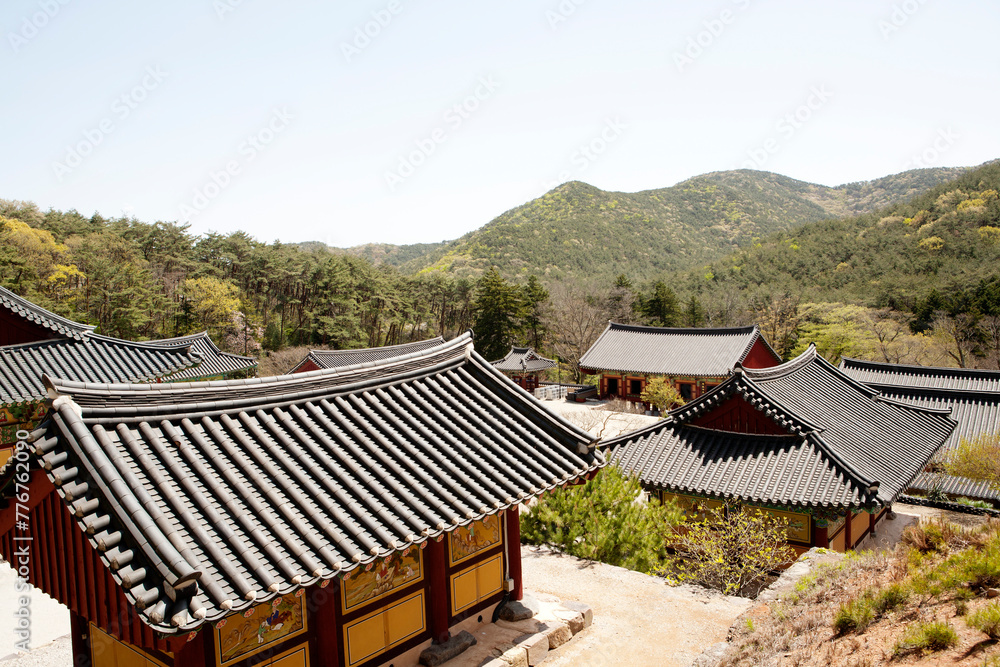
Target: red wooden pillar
pixel 324 607
pixel 513 536
pixel 437 572
pixel 200 651
pixel 81 640
pixel 848 543
pixel 872 518
pixel 821 533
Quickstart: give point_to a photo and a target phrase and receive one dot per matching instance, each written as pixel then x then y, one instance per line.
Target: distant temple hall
pixel 694 360
pixel 350 516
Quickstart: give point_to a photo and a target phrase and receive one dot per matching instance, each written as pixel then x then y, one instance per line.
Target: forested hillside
pixel 931 264
pixel 578 231
pixel 139 280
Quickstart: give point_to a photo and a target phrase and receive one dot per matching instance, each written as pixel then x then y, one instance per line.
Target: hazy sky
pixel 414 121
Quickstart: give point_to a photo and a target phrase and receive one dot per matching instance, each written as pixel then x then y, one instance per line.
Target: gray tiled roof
pixel 214 361
pixel 94 359
pixel 903 375
pixel 342 358
pixel 37 315
pixel 972 397
pixel 670 351
pixel 955 486
pixel 523 359
pixel 842 437
pixel 255 488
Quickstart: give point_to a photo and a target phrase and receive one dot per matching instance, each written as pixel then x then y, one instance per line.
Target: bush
pixel 854 616
pixel 733 549
pixel 986 620
pixel 968 502
pixel 933 636
pixel 662 395
pixel 889 599
pixel 604 520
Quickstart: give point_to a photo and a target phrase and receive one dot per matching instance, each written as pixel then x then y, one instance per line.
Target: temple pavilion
pixel 523 365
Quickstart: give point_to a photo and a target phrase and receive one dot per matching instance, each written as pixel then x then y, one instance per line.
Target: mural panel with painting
pixel 467 541
pixel 241 636
pixel 383 577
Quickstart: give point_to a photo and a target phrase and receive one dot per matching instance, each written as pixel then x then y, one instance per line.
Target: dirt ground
pixel 639 621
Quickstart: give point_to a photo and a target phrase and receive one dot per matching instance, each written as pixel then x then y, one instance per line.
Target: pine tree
pixel 536 298
pixel 661 308
pixel 500 310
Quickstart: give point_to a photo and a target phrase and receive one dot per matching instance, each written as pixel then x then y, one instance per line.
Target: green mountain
pixel 944 242
pixel 580 231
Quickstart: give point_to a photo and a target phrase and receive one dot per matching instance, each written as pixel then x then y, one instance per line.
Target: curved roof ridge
pixel 43 317
pixel 918 369
pixel 349 351
pixel 708 331
pixel 218 395
pixel 143 344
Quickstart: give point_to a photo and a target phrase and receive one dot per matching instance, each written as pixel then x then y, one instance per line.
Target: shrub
pixel 604 520
pixel 932 636
pixel 854 616
pixel 662 395
pixel 889 599
pixel 733 549
pixel 968 502
pixel 986 620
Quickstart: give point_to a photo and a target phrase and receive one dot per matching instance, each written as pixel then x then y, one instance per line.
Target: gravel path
pixel 639 620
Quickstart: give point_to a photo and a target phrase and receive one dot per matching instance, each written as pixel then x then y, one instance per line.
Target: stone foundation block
pixel 537 646
pixel 584 609
pixel 573 619
pixel 437 654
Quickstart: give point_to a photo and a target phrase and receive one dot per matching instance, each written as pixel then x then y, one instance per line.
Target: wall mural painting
pixel 693 507
pixel 466 541
pixel 799 525
pixel 833 526
pixel 240 636
pixel 382 577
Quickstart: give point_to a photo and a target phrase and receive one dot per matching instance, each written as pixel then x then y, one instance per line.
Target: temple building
pixel 350 516
pixel 523 365
pixel 319 359
pixel 972 396
pixel 802 440
pixel 627 356
pixel 37 342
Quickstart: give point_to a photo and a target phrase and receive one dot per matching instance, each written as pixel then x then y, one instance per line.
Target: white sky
pixel 888 81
